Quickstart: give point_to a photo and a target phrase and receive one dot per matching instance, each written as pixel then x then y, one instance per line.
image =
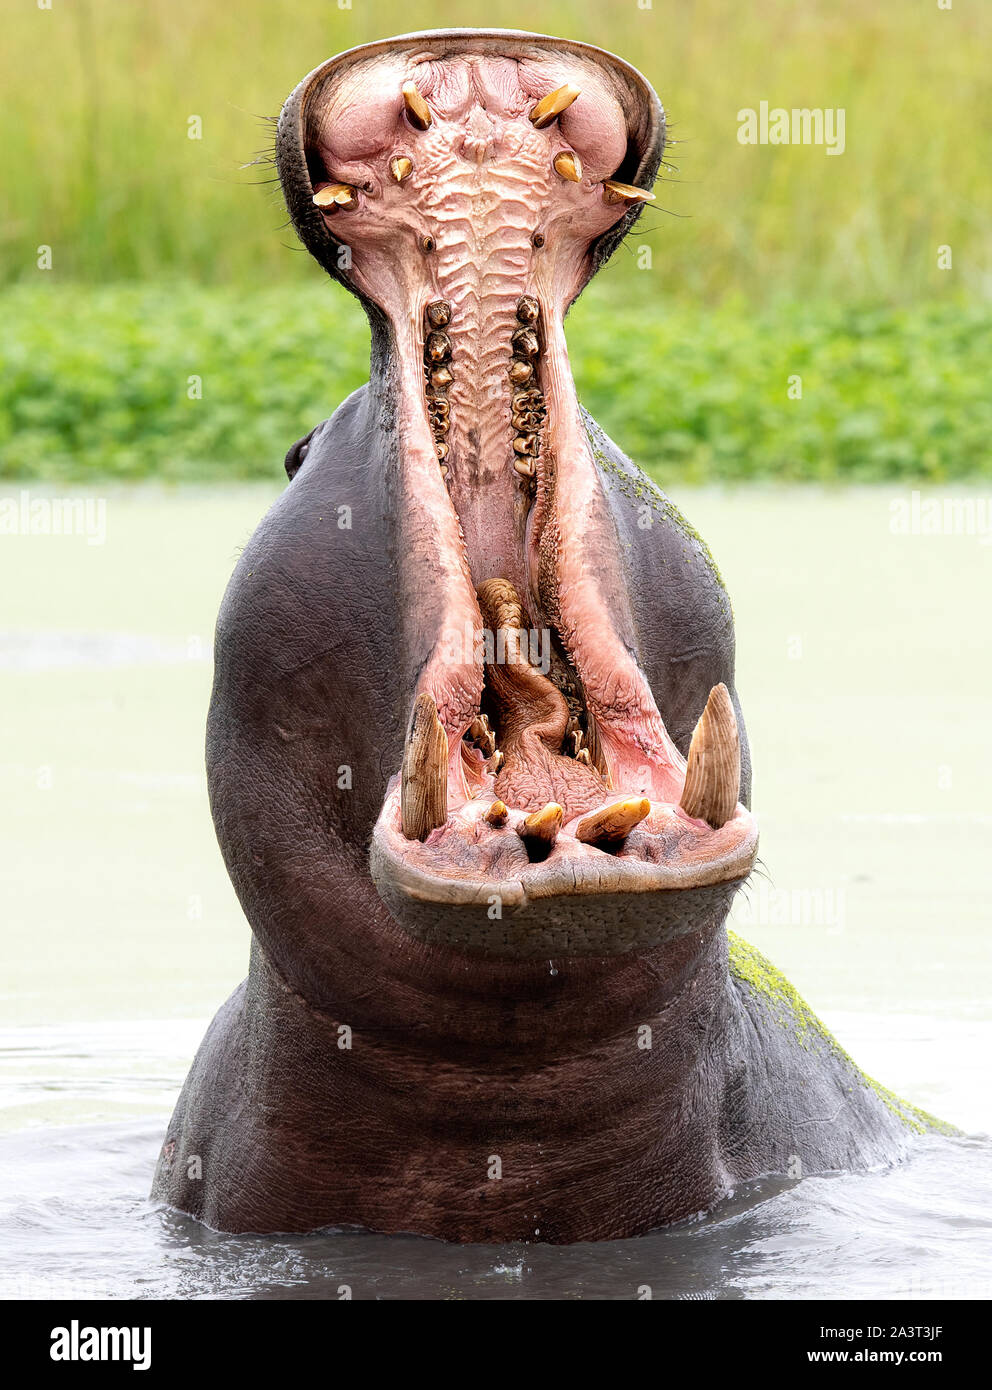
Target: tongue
pixel 532 717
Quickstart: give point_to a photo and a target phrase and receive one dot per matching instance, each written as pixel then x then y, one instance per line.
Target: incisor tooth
pixel 424 776
pixel 713 773
pixel 613 824
pixel 340 195
pixel 549 108
pixel 614 192
pixel 401 168
pixel 539 830
pixel 569 166
pixel 418 110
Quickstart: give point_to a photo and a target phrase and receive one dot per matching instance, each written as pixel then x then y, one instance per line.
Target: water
pixel 864 669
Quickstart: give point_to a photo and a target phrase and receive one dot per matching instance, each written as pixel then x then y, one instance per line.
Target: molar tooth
pixel 613 824
pixel 569 166
pixel 614 192
pixel 417 109
pixel 528 309
pixel 439 313
pixel 437 347
pixel 496 761
pixel 540 830
pixel 482 735
pixel 526 467
pixel 401 168
pixel 713 771
pixel 520 372
pixel 525 342
pixel 441 425
pixel 497 815
pixel 441 376
pixel 577 738
pixel 549 108
pixel 336 195
pixel 424 776
pixel 527 445
pixel 582 756
pixel 442 450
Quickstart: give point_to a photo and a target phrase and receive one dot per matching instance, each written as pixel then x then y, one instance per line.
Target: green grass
pixel 97 163
pixel 94 382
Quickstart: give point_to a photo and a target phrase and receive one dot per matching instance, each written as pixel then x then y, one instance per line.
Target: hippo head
pixel 474 701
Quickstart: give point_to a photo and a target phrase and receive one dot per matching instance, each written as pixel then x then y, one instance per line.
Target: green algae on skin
pixel 638 488
pixel 791 1011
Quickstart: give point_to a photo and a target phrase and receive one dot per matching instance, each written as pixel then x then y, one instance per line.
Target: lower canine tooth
pixel 713 772
pixel 424 776
pixel 613 824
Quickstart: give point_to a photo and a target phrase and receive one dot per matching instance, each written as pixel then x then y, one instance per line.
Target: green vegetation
pixel 791 1011
pixel 98 381
pixel 169 259
pixel 98 95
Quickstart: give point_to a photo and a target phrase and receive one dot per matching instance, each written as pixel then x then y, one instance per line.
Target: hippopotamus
pixel 475 755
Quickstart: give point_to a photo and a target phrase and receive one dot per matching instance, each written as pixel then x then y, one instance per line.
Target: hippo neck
pixel 431 1131
pixel 496 1024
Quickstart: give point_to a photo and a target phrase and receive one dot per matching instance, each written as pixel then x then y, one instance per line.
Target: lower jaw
pixel 474 887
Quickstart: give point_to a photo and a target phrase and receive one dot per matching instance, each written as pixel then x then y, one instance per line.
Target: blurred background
pixel 171 258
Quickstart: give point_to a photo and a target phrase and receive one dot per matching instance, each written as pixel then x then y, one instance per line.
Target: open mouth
pixel 559 779
pixel 472 181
